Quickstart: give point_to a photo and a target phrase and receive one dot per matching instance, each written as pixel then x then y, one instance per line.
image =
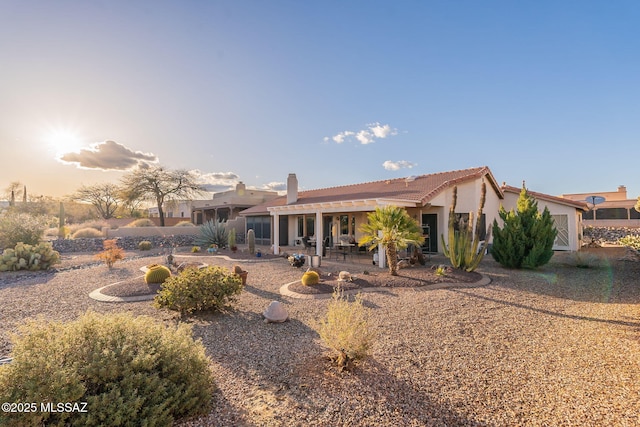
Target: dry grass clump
pixel 345 330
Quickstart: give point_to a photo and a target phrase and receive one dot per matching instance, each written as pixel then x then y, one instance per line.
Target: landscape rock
pixel 275 313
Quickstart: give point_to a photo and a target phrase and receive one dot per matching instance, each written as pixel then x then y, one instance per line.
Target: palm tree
pixel 393 228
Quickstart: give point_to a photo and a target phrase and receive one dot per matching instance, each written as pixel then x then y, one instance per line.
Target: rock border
pixel 284 289
pixel 99 296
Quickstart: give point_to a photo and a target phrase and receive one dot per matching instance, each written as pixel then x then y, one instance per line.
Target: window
pixel 261 226
pixel 300 226
pixel 611 213
pixel 344 225
pixel 311 221
pixel 462 221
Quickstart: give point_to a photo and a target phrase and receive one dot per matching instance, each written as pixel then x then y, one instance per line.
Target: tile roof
pixel 547 197
pixel 417 189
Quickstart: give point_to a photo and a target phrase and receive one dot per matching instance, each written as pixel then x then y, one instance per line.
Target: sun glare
pixel 64 141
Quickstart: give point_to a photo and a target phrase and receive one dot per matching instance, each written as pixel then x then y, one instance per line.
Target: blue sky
pixel 338 92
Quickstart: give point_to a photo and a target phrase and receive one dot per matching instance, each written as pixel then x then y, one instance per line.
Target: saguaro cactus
pixel 251 240
pixel 462 249
pixel 61 233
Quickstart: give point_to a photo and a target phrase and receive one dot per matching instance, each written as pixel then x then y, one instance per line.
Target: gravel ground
pixel 555 346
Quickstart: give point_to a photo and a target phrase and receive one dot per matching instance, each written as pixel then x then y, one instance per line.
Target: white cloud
pixel 365 136
pixel 382 131
pixel 216 182
pixel 400 164
pixel 108 155
pixel 275 186
pixel 339 138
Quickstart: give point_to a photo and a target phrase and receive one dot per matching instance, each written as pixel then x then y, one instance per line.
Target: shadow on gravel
pixel 549 312
pixel 614 281
pixel 286 378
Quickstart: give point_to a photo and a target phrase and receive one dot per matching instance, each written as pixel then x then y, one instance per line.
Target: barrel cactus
pixel 310 278
pixel 157 273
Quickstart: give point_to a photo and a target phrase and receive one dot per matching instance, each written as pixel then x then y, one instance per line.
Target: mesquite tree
pixel 526 239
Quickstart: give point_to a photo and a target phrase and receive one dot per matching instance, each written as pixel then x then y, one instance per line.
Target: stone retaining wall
pixel 128 243
pixel 608 235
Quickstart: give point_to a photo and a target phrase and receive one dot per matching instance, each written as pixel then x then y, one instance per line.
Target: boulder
pixel 275 313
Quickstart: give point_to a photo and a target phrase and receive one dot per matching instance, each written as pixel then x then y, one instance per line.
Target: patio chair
pixel 307 246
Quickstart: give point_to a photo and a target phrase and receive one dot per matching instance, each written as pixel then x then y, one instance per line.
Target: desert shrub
pixel 212 233
pixel 111 253
pixel 21 227
pixel 86 233
pixel 527 236
pixel 145 245
pixel 210 288
pixel 157 273
pixel 631 241
pixel 345 329
pixel 582 259
pixel 130 371
pixel 310 278
pixel 142 222
pixel 196 249
pixel 29 257
pixel 95 224
pixel 185 224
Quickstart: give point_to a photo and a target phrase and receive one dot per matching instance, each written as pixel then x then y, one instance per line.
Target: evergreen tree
pixel 526 239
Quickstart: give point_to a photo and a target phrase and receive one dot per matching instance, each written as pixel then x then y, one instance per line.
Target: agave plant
pixel 213 233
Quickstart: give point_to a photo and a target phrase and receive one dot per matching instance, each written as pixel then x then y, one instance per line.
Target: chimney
pixel 292 188
pixel 240 188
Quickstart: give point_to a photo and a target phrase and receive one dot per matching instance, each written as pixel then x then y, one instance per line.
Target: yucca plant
pixel 212 233
pixel 462 249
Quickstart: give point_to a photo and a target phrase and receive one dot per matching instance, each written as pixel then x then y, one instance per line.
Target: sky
pixel 337 92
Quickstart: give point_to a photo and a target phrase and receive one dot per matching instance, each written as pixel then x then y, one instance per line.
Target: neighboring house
pixel 224 206
pixel 617 210
pixel 334 214
pixel 567 215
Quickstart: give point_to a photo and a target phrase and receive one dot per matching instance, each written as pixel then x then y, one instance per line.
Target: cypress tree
pixel 526 239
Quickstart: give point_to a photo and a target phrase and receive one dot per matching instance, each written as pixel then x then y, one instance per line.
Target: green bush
pixel 345 330
pixel 143 222
pixel 21 227
pixel 631 241
pixel 86 233
pixel 129 370
pixel 526 239
pixel 29 257
pixel 145 245
pixel 210 288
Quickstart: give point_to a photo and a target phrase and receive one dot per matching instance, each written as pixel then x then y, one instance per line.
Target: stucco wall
pixel 511 201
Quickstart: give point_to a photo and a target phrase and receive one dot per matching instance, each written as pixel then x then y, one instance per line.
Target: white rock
pixel 345 276
pixel 275 313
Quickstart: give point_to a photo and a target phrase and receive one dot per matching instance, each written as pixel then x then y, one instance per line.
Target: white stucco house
pixel 566 214
pixel 333 214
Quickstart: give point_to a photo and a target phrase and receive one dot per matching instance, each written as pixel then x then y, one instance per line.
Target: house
pixel 226 205
pixel 333 214
pixel 566 214
pixel 608 208
pixel 336 213
pixel 223 206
